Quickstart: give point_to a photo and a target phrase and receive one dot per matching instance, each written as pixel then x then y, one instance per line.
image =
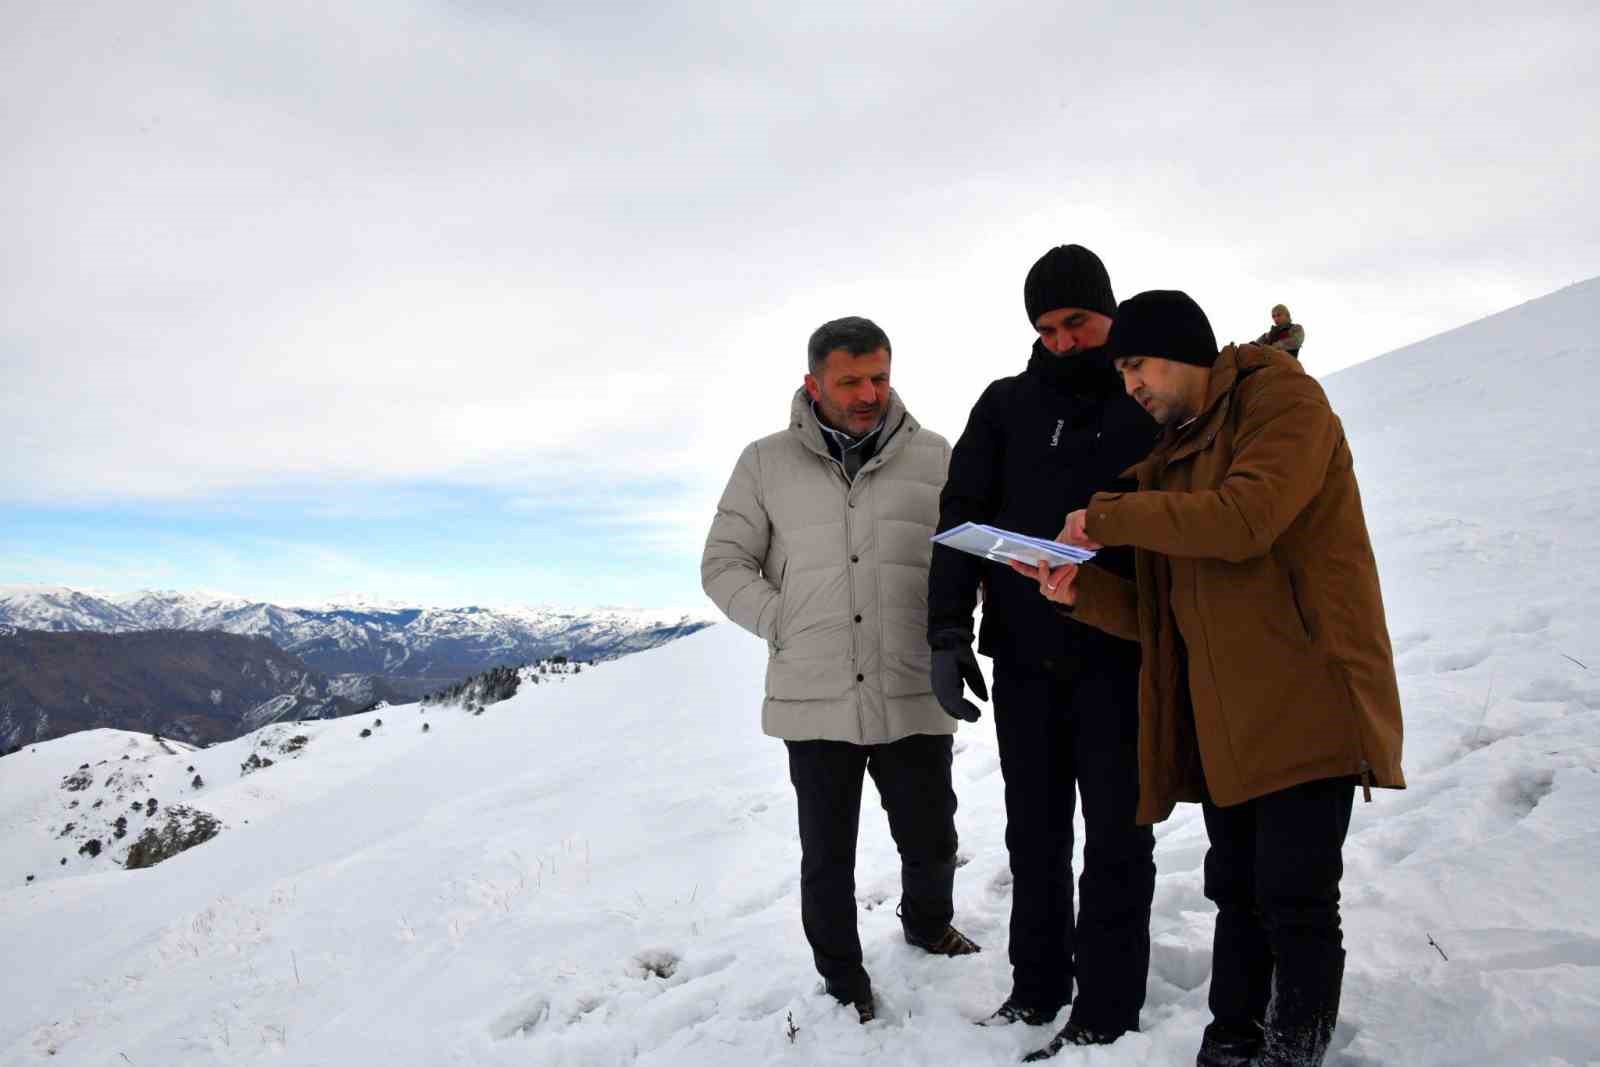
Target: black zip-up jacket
pixel 1036 447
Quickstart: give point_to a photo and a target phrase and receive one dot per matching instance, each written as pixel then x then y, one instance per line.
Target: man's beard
pixel 852 421
pixel 1165 411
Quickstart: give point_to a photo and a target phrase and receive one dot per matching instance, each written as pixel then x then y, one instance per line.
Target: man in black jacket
pixel 1036 447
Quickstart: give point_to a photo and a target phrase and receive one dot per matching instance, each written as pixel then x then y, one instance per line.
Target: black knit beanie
pixel 1068 276
pixel 1164 323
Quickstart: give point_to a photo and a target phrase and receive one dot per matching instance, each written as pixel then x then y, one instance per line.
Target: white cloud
pixel 484 244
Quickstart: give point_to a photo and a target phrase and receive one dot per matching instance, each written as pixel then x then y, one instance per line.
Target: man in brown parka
pixel 1267 691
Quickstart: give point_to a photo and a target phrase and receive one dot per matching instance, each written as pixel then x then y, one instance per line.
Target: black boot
pixel 1302 1013
pixel 858 995
pixel 1223 1046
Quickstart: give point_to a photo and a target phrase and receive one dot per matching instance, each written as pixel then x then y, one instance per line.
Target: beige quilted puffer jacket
pixel 834 576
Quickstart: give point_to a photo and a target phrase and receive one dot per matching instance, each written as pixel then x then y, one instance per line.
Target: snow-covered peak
pixel 354 602
pixel 61 608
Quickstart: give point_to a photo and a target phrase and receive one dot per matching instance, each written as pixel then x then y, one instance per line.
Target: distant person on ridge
pixel 820 547
pixel 1267 688
pixel 1066 697
pixel 1286 335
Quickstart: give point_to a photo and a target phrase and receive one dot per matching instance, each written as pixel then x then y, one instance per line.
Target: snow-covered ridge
pixel 54 607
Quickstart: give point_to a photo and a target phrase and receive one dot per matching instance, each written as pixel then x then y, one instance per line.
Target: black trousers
pixel 1060 738
pixel 913 780
pixel 1273 871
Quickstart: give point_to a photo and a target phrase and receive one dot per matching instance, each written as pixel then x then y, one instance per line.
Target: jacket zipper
pixel 850 485
pixel 1366 782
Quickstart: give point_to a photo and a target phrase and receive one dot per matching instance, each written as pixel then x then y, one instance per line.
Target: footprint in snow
pixel 1461 659
pixel 873 900
pixel 675 969
pixel 654 963
pixel 1523 791
pixel 1411 641
pixel 696 968
pixel 522 1020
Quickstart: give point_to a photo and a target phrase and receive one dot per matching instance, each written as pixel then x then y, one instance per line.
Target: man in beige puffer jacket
pixel 820 547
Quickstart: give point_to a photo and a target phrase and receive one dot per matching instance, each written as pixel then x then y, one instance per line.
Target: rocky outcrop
pixel 183 829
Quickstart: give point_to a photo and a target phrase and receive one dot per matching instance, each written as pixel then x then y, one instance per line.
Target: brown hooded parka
pixel 1267 660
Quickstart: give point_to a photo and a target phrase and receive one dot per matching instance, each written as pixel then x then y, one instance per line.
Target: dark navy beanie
pixel 1166 324
pixel 1068 276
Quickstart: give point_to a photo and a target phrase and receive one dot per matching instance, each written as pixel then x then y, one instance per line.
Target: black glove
pixel 951 667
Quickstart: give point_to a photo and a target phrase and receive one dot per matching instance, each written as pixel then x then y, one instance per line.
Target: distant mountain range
pixel 402 650
pixel 193 686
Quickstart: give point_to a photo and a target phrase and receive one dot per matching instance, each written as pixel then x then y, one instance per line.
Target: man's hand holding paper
pixel 1057 584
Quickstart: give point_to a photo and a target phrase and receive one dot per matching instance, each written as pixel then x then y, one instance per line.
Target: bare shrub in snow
pixel 255 763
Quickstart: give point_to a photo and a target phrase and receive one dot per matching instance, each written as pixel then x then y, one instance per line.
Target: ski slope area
pixel 605 871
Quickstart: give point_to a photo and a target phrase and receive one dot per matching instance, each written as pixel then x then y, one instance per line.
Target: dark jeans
pixel 1056 734
pixel 913 780
pixel 1273 871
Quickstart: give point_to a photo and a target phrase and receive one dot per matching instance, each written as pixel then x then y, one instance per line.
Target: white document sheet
pixel 1001 545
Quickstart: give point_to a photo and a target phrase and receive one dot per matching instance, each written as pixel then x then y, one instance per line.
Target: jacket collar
pixel 892 432
pixel 838 441
pixel 1084 372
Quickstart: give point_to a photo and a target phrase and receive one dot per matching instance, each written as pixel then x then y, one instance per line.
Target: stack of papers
pixel 1001 545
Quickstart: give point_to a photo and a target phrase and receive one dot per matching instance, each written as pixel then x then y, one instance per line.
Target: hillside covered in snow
pixel 603 869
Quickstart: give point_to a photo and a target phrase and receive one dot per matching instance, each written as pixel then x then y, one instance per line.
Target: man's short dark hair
pixel 854 334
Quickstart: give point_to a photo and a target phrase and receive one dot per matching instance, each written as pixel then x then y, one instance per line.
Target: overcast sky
pixel 476 301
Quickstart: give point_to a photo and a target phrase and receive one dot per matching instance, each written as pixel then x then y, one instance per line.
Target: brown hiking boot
pixel 1013 1012
pixel 1072 1034
pixel 951 942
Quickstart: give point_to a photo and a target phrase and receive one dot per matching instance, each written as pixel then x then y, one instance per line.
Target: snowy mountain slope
pixel 414 649
pixel 46 817
pixel 606 872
